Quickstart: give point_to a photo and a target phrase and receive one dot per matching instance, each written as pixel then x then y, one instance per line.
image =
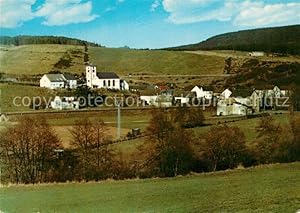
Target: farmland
pixel 272 188
pixel 39 59
pixel 125 61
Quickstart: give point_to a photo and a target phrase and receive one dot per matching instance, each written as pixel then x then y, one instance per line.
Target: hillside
pixel 272 188
pixel 125 61
pixel 27 40
pixel 253 72
pixel 38 59
pixel 285 40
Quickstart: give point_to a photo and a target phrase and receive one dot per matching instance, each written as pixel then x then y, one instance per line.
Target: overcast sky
pixel 143 23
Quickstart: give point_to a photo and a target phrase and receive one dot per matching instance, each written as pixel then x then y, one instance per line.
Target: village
pixel 149 106
pixel 231 101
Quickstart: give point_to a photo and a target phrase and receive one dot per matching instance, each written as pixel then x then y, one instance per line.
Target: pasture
pixel 269 188
pixel 38 59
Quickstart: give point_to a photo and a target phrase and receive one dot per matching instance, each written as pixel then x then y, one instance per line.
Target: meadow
pixel 11 91
pixel 37 59
pixel 125 61
pixel 269 188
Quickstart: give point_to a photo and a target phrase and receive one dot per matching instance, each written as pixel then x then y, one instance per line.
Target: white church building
pixel 107 80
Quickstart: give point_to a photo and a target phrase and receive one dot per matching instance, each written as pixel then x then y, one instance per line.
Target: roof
pixel 55 77
pixel 69 76
pixel 107 75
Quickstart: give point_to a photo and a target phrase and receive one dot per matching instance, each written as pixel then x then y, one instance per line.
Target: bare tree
pixel 90 140
pixel 28 150
pixel 170 144
pixel 268 145
pixel 223 147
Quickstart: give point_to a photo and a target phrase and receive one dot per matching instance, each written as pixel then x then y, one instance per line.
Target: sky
pixel 143 23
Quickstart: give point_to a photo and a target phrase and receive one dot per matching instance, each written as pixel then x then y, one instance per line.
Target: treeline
pixel 25 40
pixel 31 152
pixel 285 40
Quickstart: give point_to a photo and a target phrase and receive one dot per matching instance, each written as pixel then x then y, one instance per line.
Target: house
pixel 201 93
pixel 256 98
pixel 149 99
pixel 233 106
pixel 71 81
pixel 158 100
pixel 58 81
pixel 64 103
pixel 182 100
pixel 256 54
pixel 267 99
pixel 236 102
pixel 225 94
pixel 107 80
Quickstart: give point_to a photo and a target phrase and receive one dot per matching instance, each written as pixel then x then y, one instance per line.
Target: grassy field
pixel 125 61
pixel 248 126
pixel 244 54
pixel 37 59
pixel 272 188
pixel 21 92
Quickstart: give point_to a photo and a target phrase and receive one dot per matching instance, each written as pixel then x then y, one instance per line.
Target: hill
pixel 26 40
pixel 125 61
pixel 38 59
pixel 272 188
pixel 285 40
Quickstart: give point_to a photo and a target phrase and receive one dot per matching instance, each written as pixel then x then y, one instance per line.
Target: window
pixel 109 83
pixel 113 83
pixel 104 83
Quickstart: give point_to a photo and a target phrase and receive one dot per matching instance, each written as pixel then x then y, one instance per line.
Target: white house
pixel 64 103
pixel 201 93
pixel 149 99
pixel 158 100
pixel 58 81
pixel 108 80
pixel 182 100
pixel 233 106
pixel 226 94
pixel 256 54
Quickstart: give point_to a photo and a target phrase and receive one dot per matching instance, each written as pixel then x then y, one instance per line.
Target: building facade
pixel 106 80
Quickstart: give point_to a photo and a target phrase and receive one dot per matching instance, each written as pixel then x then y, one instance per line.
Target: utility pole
pixel 119 120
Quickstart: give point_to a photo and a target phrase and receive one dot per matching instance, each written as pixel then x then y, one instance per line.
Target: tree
pixel 188 117
pixel 223 147
pixel 269 140
pixel 294 146
pixel 28 150
pixel 90 141
pixel 170 149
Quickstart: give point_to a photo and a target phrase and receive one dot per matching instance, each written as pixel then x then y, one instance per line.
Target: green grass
pixel 125 61
pixel 37 59
pixel 248 127
pixel 273 188
pixel 10 91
